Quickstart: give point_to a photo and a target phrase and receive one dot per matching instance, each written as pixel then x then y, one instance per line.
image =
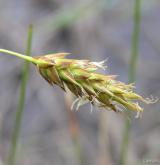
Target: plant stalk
pixel 19 113
pixel 132 75
pixel 74 130
pixel 22 56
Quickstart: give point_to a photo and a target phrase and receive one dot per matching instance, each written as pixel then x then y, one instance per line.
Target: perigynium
pixel 81 78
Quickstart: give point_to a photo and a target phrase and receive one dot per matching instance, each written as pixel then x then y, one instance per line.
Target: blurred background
pixel 50 133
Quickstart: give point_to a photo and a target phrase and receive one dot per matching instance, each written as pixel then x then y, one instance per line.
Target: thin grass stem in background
pixel 74 130
pixel 132 75
pixel 14 140
pixel 65 17
pixel 103 140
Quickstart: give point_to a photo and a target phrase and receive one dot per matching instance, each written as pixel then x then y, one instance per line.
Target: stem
pixel 103 140
pixel 22 56
pixel 74 130
pixel 135 41
pixel 17 54
pixel 132 74
pixel 19 113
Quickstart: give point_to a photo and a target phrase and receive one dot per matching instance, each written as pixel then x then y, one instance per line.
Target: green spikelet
pixel 80 78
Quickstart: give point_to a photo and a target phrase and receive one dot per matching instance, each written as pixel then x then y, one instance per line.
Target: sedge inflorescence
pixel 80 77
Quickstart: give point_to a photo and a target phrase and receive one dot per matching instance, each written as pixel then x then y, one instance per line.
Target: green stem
pixel 132 74
pixel 22 56
pixel 19 113
pixel 135 41
pixel 17 54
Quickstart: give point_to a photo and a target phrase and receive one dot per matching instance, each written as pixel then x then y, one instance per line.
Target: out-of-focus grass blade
pixel 14 140
pixel 66 17
pixel 132 75
pixel 74 130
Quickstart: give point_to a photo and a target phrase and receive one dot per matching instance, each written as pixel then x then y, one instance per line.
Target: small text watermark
pixel 151 161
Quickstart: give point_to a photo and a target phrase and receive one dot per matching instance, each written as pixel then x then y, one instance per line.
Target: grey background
pixel 102 29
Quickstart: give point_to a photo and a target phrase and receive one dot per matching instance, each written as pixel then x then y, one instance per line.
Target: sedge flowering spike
pixel 81 78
